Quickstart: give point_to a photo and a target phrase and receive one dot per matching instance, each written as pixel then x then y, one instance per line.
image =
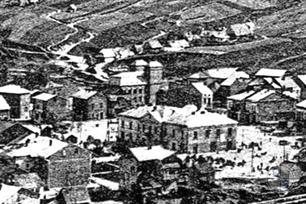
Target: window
pixel 143 128
pixel 209 101
pixel 230 132
pixel 122 124
pixel 140 98
pixel 207 133
pixel 155 130
pixel 138 127
pixel 173 146
pixel 204 100
pixel 218 133
pixel 195 135
pixel 140 91
pixel 135 91
pixel 101 105
pixel 26 109
pixel 195 149
pixel 133 169
pixel 92 106
pixel 165 131
pixel 150 129
pixel 122 135
pixel 131 125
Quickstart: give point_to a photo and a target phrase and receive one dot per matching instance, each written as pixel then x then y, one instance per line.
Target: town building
pixel 242 29
pixel 152 46
pixel 19 100
pixel 48 108
pixel 4 109
pixel 272 73
pixel 290 173
pixel 10 132
pixel 89 105
pixel 264 105
pixel 179 129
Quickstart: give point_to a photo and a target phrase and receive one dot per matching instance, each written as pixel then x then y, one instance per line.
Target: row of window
pixel 134 91
pixel 208 132
pixel 143 127
pixel 96 105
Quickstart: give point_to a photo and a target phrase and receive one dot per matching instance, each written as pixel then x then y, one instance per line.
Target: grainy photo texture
pixel 152 101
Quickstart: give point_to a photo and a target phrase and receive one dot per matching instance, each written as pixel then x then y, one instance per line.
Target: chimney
pixel 193 113
pixel 154 108
pixel 202 112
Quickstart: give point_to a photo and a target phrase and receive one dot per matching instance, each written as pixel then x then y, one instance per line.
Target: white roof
pixel 221 73
pixel 52 84
pixel 241 96
pixel 106 183
pixel 108 52
pixel 44 97
pixel 84 94
pixel 203 89
pixel 183 116
pixel 155 64
pixel 178 43
pixel 302 78
pixel 243 28
pixel 154 153
pixel 95 128
pixel 198 75
pixel 261 95
pixel 232 78
pixel 271 72
pixel 287 82
pixel 7 192
pixel 130 78
pixel 301 104
pixel 155 44
pixel 13 89
pixel 3 104
pixel 140 62
pixel 37 147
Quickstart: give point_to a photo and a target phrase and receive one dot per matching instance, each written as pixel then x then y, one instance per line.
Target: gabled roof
pixel 301 104
pixel 302 78
pixel 241 96
pixel 14 89
pixel 3 104
pixel 130 78
pixel 261 95
pixel 232 78
pixel 44 97
pixel 154 44
pixel 221 73
pixel 242 29
pixel 203 89
pixel 266 72
pixel 108 52
pixel 178 43
pixel 140 62
pixel 84 94
pixel 149 154
pixel 37 147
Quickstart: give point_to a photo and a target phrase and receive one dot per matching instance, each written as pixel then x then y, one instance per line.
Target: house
pixel 139 65
pixel 4 109
pixel 200 174
pixel 242 29
pixel 262 105
pixel 109 54
pixel 48 108
pixel 181 94
pixel 70 169
pixel 89 105
pixel 290 172
pixel 10 132
pixel 289 87
pixel 9 194
pixel 177 45
pixel 152 46
pixel 140 162
pixel 179 129
pixel 271 73
pixel 19 100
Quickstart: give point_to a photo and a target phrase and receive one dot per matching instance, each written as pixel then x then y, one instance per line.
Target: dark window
pixel 207 133
pixel 140 91
pixel 92 106
pixel 173 146
pixel 230 132
pixel 195 135
pixel 122 135
pixel 218 133
pixel 155 130
pixel 173 133
pixel 143 128
pixel 76 151
pixel 135 91
pixel 138 127
pixel 122 123
pixel 101 105
pixel 165 131
pixel 195 149
pixel 131 125
pixel 133 169
pixel 150 129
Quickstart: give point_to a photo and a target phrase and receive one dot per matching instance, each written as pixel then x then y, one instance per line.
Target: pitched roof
pixel 271 72
pixel 7 192
pixel 153 153
pixel 243 28
pixel 301 104
pixel 106 183
pixel 52 84
pixel 140 62
pixel 302 78
pixel 232 78
pixel 37 147
pixel 182 116
pixel 199 75
pixel 178 43
pixel 84 94
pixel 13 89
pixel 287 82
pixel 203 89
pixel 261 95
pixel 155 44
pixel 108 52
pixel 155 64
pixel 241 96
pixel 3 104
pixel 130 78
pixel 44 97
pixel 221 73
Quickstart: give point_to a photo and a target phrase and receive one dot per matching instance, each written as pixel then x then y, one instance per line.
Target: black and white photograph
pixel 152 102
